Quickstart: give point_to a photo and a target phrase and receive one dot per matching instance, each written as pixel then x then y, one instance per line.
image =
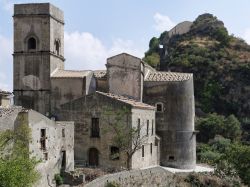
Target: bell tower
pixel 38 52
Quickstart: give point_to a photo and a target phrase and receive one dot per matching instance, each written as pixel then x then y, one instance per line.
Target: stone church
pixel 161 104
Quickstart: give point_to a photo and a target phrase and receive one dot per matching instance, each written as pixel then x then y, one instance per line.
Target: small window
pixel 139 127
pixel 171 158
pixel 31 43
pixel 63 133
pixel 0 100
pixel 95 129
pixel 114 153
pixel 57 47
pixel 142 149
pixel 45 155
pixel 159 107
pixel 43 139
pixel 152 129
pixel 147 126
pixel 151 148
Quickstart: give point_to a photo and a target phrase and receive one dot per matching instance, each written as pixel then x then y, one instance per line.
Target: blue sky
pixel 97 29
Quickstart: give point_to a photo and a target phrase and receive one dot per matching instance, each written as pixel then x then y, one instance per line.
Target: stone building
pixel 94 116
pixel 5 98
pixel 52 142
pixel 42 83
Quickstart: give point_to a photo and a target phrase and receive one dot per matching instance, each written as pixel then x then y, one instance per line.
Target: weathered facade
pixel 52 142
pixel 41 83
pixel 94 116
pixel 5 98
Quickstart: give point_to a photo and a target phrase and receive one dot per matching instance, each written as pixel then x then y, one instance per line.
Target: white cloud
pixel 7 5
pixel 162 22
pixel 5 63
pixel 82 51
pixel 85 51
pixel 246 35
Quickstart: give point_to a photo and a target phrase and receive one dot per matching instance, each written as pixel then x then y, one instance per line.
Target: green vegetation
pixel 220 64
pixel 123 134
pixel 16 168
pixel 112 184
pixel 58 179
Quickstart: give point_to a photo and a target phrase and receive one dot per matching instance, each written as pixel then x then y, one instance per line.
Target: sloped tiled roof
pixel 2 92
pixel 167 76
pixel 70 74
pixel 100 73
pixel 8 111
pixel 126 100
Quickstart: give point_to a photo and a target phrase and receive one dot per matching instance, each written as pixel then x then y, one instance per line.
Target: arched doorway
pixel 93 157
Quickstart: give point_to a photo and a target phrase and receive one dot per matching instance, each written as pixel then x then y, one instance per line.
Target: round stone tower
pixel 174 118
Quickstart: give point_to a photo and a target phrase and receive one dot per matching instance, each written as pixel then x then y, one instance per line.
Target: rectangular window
pixel 152 127
pixel 147 126
pixel 142 149
pixel 114 153
pixel 95 129
pixel 63 133
pixel 151 148
pixel 171 158
pixel 0 100
pixel 45 155
pixel 43 139
pixel 139 127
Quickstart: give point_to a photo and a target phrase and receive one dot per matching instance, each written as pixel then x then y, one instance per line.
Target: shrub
pixel 59 179
pixel 112 184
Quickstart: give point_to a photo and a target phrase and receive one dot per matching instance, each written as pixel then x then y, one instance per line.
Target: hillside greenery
pixel 220 64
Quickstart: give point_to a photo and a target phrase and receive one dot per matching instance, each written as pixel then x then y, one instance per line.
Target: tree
pixel 16 168
pixel 214 124
pixel 127 138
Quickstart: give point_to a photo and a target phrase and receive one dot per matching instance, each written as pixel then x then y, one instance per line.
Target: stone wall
pixel 175 124
pixel 125 76
pixel 96 105
pixel 151 177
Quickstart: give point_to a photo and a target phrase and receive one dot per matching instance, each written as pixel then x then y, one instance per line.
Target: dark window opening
pixel 0 100
pixel 63 133
pixel 32 43
pixel 45 155
pixel 159 107
pixel 63 166
pixel 43 139
pixel 57 45
pixel 147 126
pixel 171 158
pixel 151 148
pixel 95 129
pixel 142 149
pixel 114 153
pixel 139 127
pixel 152 127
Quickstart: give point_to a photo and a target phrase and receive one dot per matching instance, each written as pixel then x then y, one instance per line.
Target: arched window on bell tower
pixel 31 43
pixel 57 47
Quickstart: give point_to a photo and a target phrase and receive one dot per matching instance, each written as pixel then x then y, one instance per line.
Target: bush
pixel 215 124
pixel 58 179
pixel 112 184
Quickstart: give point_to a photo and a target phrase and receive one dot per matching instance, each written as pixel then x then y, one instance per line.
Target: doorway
pixel 93 157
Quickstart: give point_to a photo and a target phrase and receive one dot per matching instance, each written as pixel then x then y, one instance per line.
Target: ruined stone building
pixel 162 103
pixel 52 142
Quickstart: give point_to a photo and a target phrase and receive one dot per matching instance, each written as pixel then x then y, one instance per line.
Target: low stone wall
pixel 150 177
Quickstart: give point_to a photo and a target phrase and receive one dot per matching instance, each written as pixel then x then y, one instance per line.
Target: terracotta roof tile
pixel 100 73
pixel 127 100
pixel 70 74
pixel 2 92
pixel 167 76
